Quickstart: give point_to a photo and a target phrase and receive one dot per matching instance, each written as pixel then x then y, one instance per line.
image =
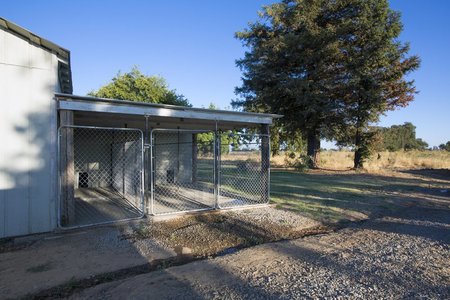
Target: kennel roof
pixel 132 109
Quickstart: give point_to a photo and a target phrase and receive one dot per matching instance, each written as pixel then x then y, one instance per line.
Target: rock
pixel 180 250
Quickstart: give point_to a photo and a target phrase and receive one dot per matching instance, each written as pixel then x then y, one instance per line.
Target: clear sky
pixel 192 45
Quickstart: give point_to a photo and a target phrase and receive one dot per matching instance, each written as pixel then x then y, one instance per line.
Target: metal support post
pixel 265 163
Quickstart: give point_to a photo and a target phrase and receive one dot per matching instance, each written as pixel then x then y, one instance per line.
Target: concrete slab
pixel 55 259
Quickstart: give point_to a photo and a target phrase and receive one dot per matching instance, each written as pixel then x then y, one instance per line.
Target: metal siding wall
pixel 40 175
pixel 92 155
pixel 185 158
pixel 131 168
pixel 54 187
pixel 28 79
pixel 2 208
pixel 3 177
pixel 167 156
pixel 15 161
pixel 117 178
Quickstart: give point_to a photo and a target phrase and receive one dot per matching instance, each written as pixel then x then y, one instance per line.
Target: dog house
pixel 119 160
pixel 72 161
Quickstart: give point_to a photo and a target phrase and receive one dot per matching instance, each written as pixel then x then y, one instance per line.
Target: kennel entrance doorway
pixel 183 171
pixel 100 175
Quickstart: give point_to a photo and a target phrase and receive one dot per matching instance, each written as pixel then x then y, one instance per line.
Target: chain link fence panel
pixel 183 171
pixel 101 175
pixel 244 170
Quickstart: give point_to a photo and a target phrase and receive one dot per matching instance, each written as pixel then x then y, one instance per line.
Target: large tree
pixel 136 86
pixel 290 68
pixel 375 64
pixel 331 67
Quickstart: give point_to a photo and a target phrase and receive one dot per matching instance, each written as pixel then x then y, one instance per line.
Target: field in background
pixel 343 160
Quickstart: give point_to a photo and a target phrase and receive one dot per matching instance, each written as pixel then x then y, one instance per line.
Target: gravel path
pixel 208 234
pixel 396 257
pixel 272 215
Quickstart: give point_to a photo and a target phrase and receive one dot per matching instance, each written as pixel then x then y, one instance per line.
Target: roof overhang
pixel 112 106
pixel 35 39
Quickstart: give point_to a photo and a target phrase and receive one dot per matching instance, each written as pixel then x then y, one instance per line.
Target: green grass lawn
pixel 334 196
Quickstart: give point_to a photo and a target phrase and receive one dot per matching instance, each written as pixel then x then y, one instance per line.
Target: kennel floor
pixel 100 205
pixel 169 199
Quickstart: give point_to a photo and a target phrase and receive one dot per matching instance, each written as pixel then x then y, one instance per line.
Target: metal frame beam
pixel 176 112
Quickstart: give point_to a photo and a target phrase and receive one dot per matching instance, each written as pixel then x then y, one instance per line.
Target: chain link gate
pixel 244 170
pixel 182 171
pixel 100 175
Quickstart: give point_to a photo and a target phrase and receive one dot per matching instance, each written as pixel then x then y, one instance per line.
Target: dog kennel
pixel 120 160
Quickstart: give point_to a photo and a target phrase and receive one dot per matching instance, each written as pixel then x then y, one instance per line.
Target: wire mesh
pixel 183 171
pixel 106 167
pixel 244 170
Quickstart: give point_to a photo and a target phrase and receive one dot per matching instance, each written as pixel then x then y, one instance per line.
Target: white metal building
pixel 69 161
pixel 31 71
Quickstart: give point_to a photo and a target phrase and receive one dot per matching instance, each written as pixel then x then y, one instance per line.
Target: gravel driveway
pixel 400 256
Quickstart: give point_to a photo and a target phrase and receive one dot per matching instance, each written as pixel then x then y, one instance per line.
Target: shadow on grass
pixel 337 197
pixel 443 174
pixel 429 223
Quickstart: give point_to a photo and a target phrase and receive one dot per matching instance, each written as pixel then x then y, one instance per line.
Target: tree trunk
pixel 313 150
pixel 358 160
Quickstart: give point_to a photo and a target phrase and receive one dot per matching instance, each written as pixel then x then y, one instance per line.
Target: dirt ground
pixel 405 255
pixel 62 263
pixel 406 237
pixel 46 261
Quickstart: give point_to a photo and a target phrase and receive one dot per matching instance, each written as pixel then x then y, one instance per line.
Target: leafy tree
pixel 227 139
pixel 373 140
pixel 136 86
pixel 206 142
pixel 283 140
pixel 290 69
pixel 397 137
pixel 445 146
pixel 418 144
pixel 375 64
pixel 394 138
pixel 402 137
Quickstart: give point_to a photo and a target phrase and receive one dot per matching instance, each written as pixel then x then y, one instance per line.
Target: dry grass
pixel 241 156
pixel 343 160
